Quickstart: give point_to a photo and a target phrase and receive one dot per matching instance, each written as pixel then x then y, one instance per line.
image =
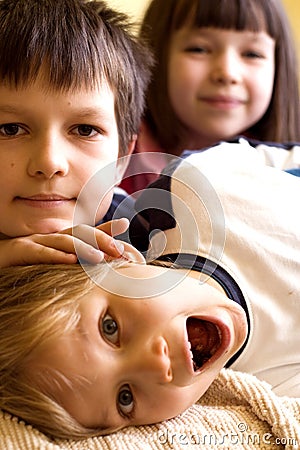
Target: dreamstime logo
pixel 185 214
pixel 241 437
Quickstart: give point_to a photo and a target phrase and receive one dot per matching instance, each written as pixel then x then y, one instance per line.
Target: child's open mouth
pixel 205 340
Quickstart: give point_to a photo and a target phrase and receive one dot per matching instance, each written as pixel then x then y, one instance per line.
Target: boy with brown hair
pixel 72 81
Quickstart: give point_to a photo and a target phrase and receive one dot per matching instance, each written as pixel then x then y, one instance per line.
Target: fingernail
pixel 97 253
pixel 119 246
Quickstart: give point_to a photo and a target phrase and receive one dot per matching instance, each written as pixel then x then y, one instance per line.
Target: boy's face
pixel 129 359
pixel 51 144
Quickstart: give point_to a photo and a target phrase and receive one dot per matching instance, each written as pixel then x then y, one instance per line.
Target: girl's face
pixel 220 81
pixel 129 361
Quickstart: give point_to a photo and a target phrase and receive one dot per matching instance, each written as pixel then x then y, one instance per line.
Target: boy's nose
pixel 48 159
pixel 153 361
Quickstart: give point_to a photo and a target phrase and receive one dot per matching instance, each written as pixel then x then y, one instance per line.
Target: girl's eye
pixel 252 55
pixel 86 130
pixel 196 49
pixel 125 401
pixel 110 329
pixel 11 129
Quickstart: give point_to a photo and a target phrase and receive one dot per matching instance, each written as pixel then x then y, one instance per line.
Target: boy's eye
pixel 86 130
pixel 125 401
pixel 11 129
pixel 110 330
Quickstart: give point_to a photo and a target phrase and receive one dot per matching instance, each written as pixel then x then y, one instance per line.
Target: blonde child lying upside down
pixel 86 350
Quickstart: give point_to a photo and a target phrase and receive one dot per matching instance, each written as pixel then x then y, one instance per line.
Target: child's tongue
pixel 204 338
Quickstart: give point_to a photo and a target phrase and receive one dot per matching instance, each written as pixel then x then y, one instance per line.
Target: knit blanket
pixel 237 412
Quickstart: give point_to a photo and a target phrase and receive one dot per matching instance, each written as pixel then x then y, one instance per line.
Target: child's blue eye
pixel 125 401
pixel 110 329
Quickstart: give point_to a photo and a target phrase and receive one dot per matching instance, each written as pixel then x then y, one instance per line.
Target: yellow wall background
pixel 293 10
pixel 136 8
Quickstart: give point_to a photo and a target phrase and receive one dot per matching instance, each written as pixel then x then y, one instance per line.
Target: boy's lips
pixel 45 200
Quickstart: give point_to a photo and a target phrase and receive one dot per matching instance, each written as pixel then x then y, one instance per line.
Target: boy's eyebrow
pixel 91 111
pixel 96 112
pixel 11 109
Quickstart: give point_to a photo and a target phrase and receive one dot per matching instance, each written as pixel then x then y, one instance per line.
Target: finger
pixel 114 227
pixel 99 240
pixel 39 254
pixel 73 245
pixel 25 250
pixel 48 256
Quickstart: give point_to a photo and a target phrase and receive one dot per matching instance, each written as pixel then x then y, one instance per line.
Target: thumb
pixel 114 227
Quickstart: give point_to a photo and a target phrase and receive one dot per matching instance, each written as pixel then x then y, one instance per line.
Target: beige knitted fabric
pixel 237 412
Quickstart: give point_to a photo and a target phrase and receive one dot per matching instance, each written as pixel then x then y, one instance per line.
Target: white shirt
pixel 232 207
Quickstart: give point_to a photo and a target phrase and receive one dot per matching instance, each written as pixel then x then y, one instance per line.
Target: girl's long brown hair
pixel 281 122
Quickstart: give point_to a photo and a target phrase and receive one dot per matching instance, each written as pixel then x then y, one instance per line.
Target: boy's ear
pixel 131 144
pixel 124 160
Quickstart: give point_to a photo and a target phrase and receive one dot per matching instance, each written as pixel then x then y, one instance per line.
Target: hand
pixel 65 247
pixel 93 244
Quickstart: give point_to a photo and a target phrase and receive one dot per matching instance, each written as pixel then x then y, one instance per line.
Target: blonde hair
pixel 38 303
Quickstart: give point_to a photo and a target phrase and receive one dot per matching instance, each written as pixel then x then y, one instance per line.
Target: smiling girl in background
pixel 223 69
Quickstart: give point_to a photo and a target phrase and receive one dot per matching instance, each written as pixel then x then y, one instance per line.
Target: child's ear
pixel 123 161
pixel 131 144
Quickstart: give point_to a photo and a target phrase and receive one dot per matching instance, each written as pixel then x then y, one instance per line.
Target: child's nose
pixel 48 158
pixel 226 68
pixel 153 361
